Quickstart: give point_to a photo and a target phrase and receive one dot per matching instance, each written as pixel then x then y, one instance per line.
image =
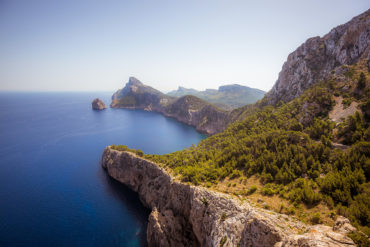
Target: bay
pixel 53 191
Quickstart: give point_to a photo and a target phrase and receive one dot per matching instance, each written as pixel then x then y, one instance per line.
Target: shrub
pixel 223 241
pixel 204 201
pixel 252 190
pixel 360 239
pixel 267 191
pixel 361 84
pixel 140 153
pixel 316 218
pixel 223 217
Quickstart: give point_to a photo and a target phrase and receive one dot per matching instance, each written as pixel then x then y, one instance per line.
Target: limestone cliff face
pixel 195 112
pixel 184 215
pixel 317 57
pixel 191 110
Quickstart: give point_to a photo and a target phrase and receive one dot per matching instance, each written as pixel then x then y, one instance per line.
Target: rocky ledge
pixel 97 104
pixel 185 215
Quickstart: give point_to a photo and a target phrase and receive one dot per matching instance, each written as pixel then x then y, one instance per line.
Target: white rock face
pixel 317 57
pixel 185 215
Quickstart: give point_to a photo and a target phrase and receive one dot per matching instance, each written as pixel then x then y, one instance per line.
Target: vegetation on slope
pixel 291 149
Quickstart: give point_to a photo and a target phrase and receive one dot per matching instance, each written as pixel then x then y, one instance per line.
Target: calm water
pixel 53 191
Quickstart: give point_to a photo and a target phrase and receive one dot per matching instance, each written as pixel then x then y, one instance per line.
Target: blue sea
pixel 53 191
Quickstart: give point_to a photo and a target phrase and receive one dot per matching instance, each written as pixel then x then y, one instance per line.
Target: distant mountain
pixel 188 109
pixel 137 95
pixel 226 97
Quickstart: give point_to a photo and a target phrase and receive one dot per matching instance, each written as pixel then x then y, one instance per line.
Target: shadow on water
pixel 131 200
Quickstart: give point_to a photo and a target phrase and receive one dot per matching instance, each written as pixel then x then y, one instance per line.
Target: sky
pixel 92 45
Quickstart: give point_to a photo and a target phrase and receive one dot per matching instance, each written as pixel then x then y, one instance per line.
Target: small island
pixel 97 104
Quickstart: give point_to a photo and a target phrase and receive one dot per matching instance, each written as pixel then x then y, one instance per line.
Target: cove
pixel 53 191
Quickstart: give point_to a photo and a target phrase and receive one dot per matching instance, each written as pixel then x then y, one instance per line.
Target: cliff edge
pixel 185 215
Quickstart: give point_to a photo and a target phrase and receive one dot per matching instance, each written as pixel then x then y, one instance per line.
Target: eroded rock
pixel 185 215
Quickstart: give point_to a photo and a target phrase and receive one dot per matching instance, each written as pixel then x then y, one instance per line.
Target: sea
pixel 53 190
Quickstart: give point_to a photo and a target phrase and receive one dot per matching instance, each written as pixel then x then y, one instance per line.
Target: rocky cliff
pixel 184 215
pixel 191 110
pixel 315 59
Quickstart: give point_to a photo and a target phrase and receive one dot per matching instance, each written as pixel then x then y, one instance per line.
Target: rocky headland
pixel 97 104
pixel 185 215
pixel 191 110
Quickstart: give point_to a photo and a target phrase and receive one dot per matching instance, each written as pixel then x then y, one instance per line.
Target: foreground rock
pixel 97 104
pixel 184 215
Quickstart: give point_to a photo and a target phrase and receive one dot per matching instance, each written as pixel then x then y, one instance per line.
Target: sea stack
pixel 97 104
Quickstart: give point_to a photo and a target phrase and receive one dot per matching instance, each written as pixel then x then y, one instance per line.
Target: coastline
pixel 186 215
pixel 206 129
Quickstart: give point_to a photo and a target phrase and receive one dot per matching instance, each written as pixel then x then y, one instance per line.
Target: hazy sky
pixel 71 45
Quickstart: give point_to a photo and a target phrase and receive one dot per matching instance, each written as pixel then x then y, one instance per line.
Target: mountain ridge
pixel 191 110
pixel 228 97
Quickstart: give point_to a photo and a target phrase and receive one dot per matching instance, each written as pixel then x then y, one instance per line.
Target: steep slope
pixel 227 97
pixel 191 110
pixel 315 59
pixel 137 95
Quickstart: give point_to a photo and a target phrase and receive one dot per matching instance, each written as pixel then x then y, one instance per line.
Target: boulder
pixel 97 104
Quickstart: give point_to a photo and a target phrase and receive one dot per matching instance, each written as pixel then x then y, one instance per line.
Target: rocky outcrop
pixel 185 215
pixel 97 104
pixel 315 59
pixel 191 110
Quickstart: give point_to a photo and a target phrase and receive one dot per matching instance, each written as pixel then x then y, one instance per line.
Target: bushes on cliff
pixel 125 148
pixel 294 161
pixel 293 157
pixel 354 129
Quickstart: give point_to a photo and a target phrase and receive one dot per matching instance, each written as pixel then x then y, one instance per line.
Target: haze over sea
pixel 53 191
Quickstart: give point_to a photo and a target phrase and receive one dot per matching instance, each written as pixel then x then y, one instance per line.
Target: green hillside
pixel 292 152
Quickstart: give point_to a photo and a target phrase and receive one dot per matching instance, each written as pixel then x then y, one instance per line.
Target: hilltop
pixel 206 117
pixel 188 109
pixel 227 97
